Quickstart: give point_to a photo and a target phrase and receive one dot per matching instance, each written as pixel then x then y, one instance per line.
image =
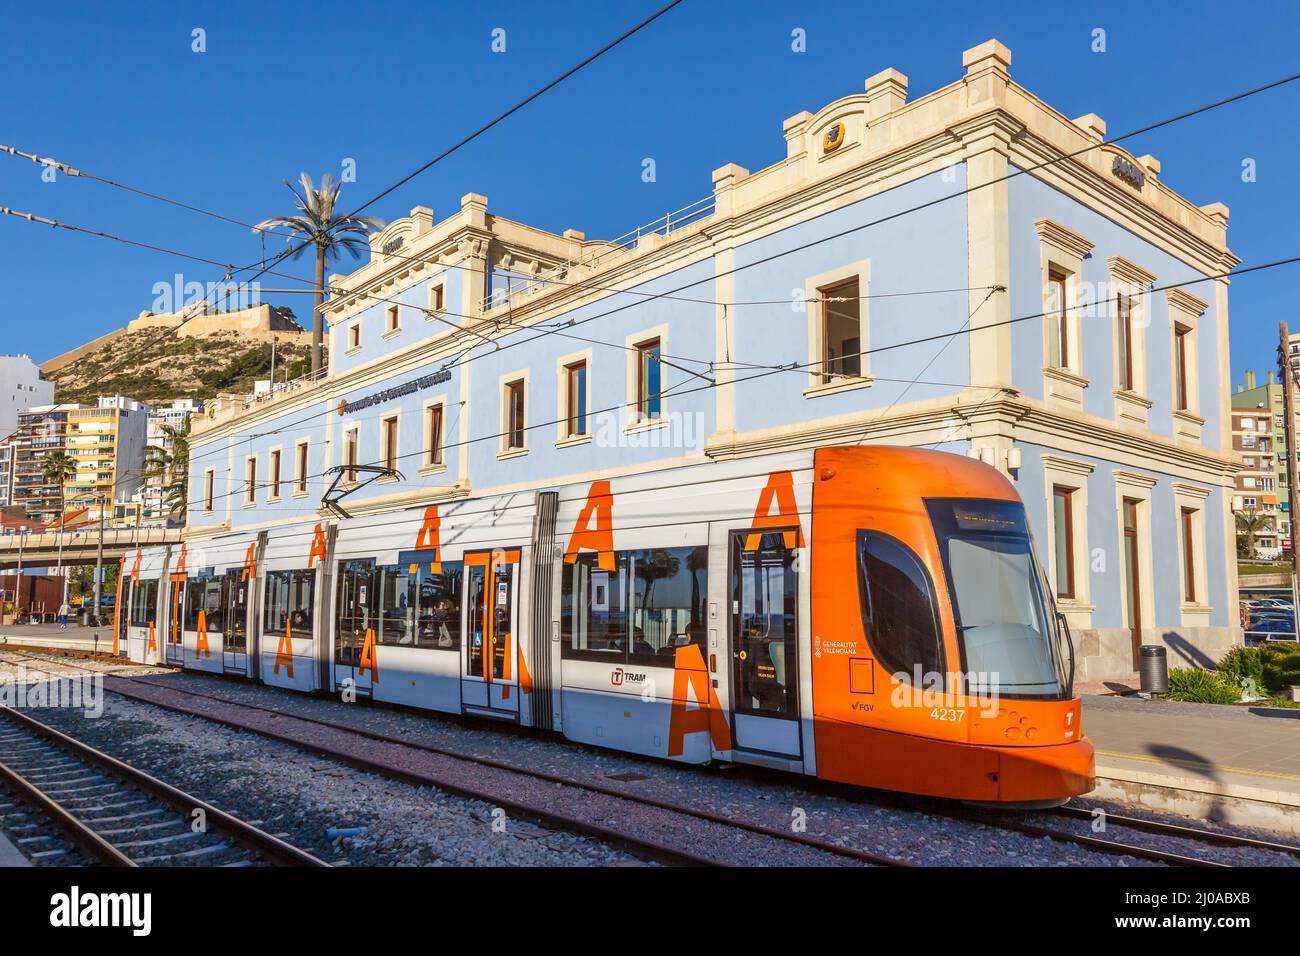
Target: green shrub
pixel 1201 687
pixel 1242 667
pixel 1281 666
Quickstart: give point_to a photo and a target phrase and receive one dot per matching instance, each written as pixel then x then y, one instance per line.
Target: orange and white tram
pixel 869 615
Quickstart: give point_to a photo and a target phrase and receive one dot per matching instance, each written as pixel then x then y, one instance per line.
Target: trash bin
pixel 84 617
pixel 1154 669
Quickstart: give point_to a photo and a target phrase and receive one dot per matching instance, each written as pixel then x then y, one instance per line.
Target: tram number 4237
pixel 950 714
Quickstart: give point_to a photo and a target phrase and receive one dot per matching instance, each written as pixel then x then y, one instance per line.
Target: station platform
pixel 9 855
pixel 1240 765
pixel 72 637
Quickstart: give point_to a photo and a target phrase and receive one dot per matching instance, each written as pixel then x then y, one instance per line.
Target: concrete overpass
pixel 78 547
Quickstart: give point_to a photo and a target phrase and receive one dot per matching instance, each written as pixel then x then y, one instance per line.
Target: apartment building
pixel 22 386
pixel 1260 501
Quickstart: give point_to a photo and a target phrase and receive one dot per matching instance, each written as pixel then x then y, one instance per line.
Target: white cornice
pixel 1186 302
pixel 1128 271
pixel 1063 237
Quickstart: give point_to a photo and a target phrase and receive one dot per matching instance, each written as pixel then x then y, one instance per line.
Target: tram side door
pixel 357 625
pixel 234 642
pixel 175 649
pixel 489 683
pixel 764 602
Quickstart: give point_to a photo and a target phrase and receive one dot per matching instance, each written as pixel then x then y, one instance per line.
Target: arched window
pixel 898 611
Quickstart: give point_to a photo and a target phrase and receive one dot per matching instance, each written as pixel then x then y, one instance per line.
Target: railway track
pixel 110 813
pixel 673 815
pixel 1043 824
pixel 1038 827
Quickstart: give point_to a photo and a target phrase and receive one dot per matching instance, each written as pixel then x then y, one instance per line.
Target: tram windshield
pixel 1010 643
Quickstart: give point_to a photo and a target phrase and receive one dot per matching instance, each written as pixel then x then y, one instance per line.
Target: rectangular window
pixel 300 472
pixel 653 602
pixel 1188 516
pixel 1124 333
pixel 649 380
pixel 1180 367
pixel 354 336
pixel 1063 526
pixel 394 322
pixel 289 603
pixel 207 594
pixel 350 454
pixel 576 404
pixel 437 297
pixel 273 478
pixel 144 601
pixel 250 481
pixel 433 435
pixel 1058 322
pixel 514 401
pixel 388 432
pixel 405 604
pixel 841 331
pixel 209 482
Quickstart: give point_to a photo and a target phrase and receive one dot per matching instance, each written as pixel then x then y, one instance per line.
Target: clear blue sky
pixel 115 88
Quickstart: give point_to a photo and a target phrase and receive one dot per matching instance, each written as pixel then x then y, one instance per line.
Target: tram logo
pixel 618 677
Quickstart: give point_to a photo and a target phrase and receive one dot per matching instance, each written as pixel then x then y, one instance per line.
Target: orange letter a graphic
pixel 780 486
pixel 689 672
pixel 369 662
pixel 284 651
pixel 317 552
pixel 428 540
pixel 201 646
pixel 600 503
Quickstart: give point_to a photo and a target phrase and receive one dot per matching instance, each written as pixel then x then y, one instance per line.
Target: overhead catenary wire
pixel 1019 171
pixel 501 117
pixel 425 259
pixel 964 330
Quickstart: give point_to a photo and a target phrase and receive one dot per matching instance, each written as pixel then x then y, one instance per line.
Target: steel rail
pixel 244 833
pixel 1181 831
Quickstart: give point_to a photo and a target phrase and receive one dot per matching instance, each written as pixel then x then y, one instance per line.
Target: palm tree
pixel 58 468
pixel 1250 524
pixel 319 224
pixel 170 464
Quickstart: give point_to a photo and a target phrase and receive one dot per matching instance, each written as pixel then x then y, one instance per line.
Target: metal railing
pixel 666 224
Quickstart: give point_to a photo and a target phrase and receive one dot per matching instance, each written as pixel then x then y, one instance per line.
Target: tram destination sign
pixel 397 391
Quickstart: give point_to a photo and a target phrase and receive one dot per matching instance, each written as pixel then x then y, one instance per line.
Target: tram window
pixel 289 602
pixel 898 611
pixel 144 602
pixel 205 594
pixel 651 603
pixel 433 602
pixel 407 604
pixel 1009 645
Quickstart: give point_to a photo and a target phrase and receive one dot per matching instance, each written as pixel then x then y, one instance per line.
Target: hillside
pixel 159 358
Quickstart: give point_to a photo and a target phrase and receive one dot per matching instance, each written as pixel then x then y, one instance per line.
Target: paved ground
pixel 1201 738
pixel 1237 764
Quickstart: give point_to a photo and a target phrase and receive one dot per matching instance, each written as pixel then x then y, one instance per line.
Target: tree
pixel 59 467
pixel 1249 525
pixel 171 466
pixel 319 225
